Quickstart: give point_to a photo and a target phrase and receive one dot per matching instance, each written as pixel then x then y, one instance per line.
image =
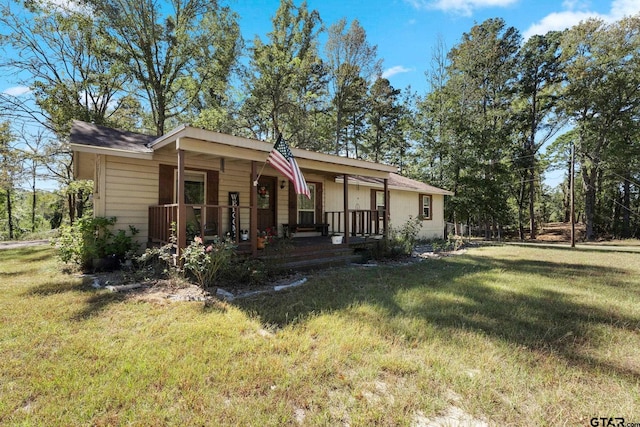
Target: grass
pixel 509 335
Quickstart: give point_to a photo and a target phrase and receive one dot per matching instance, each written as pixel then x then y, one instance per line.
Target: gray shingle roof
pixel 84 133
pixel 402 182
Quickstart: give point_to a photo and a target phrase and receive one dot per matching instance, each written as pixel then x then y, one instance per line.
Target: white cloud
pixel 558 21
pixel 574 4
pixel 622 8
pixel 398 69
pixel 16 91
pixel 462 7
pixel 65 6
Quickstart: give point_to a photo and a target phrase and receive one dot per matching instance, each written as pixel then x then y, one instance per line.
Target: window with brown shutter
pixel 425 206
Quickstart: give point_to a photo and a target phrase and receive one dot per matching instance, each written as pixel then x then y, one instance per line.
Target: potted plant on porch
pixel 266 236
pixel 261 239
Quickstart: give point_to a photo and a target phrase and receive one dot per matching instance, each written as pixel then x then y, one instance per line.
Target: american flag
pixel 282 159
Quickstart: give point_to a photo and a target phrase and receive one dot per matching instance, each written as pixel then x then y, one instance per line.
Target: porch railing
pixel 160 220
pixel 362 222
pixel 205 221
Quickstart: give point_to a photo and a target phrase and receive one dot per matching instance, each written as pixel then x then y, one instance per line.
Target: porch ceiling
pixel 221 145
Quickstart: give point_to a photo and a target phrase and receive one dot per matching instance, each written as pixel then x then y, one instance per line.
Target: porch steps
pixel 318 256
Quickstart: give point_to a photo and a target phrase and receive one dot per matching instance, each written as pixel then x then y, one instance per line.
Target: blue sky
pixel 406 31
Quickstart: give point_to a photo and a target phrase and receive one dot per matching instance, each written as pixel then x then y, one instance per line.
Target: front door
pixel 267 203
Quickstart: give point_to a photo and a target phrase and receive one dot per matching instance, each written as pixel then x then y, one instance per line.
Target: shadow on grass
pixel 468 294
pixel 581 247
pixel 27 254
pixel 93 304
pixel 98 302
pixel 57 287
pixel 8 275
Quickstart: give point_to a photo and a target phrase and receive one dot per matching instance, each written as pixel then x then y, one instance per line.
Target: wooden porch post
pixel 182 208
pixel 346 209
pixel 385 219
pixel 253 203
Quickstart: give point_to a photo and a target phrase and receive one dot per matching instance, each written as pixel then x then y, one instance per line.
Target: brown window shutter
pixel 212 187
pixel 165 182
pixel 372 205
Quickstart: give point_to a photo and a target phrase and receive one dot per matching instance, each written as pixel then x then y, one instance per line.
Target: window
pixel 307 207
pixel 379 206
pixel 194 187
pixel 425 206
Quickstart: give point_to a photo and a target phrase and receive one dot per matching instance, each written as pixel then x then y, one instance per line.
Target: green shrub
pixel 157 262
pixel 204 262
pixel 400 241
pixel 452 243
pixel 91 238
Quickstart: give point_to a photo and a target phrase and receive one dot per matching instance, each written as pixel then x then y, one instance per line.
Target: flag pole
pixel 255 183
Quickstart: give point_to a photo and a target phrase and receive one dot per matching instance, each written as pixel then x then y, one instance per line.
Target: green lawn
pixel 506 335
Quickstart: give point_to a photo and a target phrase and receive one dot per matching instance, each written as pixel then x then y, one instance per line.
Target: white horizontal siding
pixel 235 178
pixel 131 187
pixel 405 205
pixel 359 197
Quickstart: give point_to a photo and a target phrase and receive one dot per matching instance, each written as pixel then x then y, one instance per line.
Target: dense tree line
pixel 495 100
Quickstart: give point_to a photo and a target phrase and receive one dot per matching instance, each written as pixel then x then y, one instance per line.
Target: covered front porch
pixel 263 201
pixel 205 221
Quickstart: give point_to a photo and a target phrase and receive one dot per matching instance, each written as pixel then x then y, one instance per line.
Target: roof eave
pixel 167 138
pixel 191 139
pixel 111 151
pixel 431 190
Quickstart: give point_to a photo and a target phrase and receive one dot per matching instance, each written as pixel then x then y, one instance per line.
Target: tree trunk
pixel 71 207
pixel 162 116
pixel 521 210
pixel 566 201
pixel 338 129
pixel 33 204
pixel 532 199
pixel 626 206
pixel 487 229
pixel 80 204
pixel 589 184
pixel 10 215
pixel 531 172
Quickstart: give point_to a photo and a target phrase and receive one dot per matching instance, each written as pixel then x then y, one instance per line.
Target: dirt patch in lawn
pixel 170 290
pixel 157 290
pixel 559 232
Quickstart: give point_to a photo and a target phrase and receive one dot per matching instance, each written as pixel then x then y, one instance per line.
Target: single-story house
pixel 209 183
